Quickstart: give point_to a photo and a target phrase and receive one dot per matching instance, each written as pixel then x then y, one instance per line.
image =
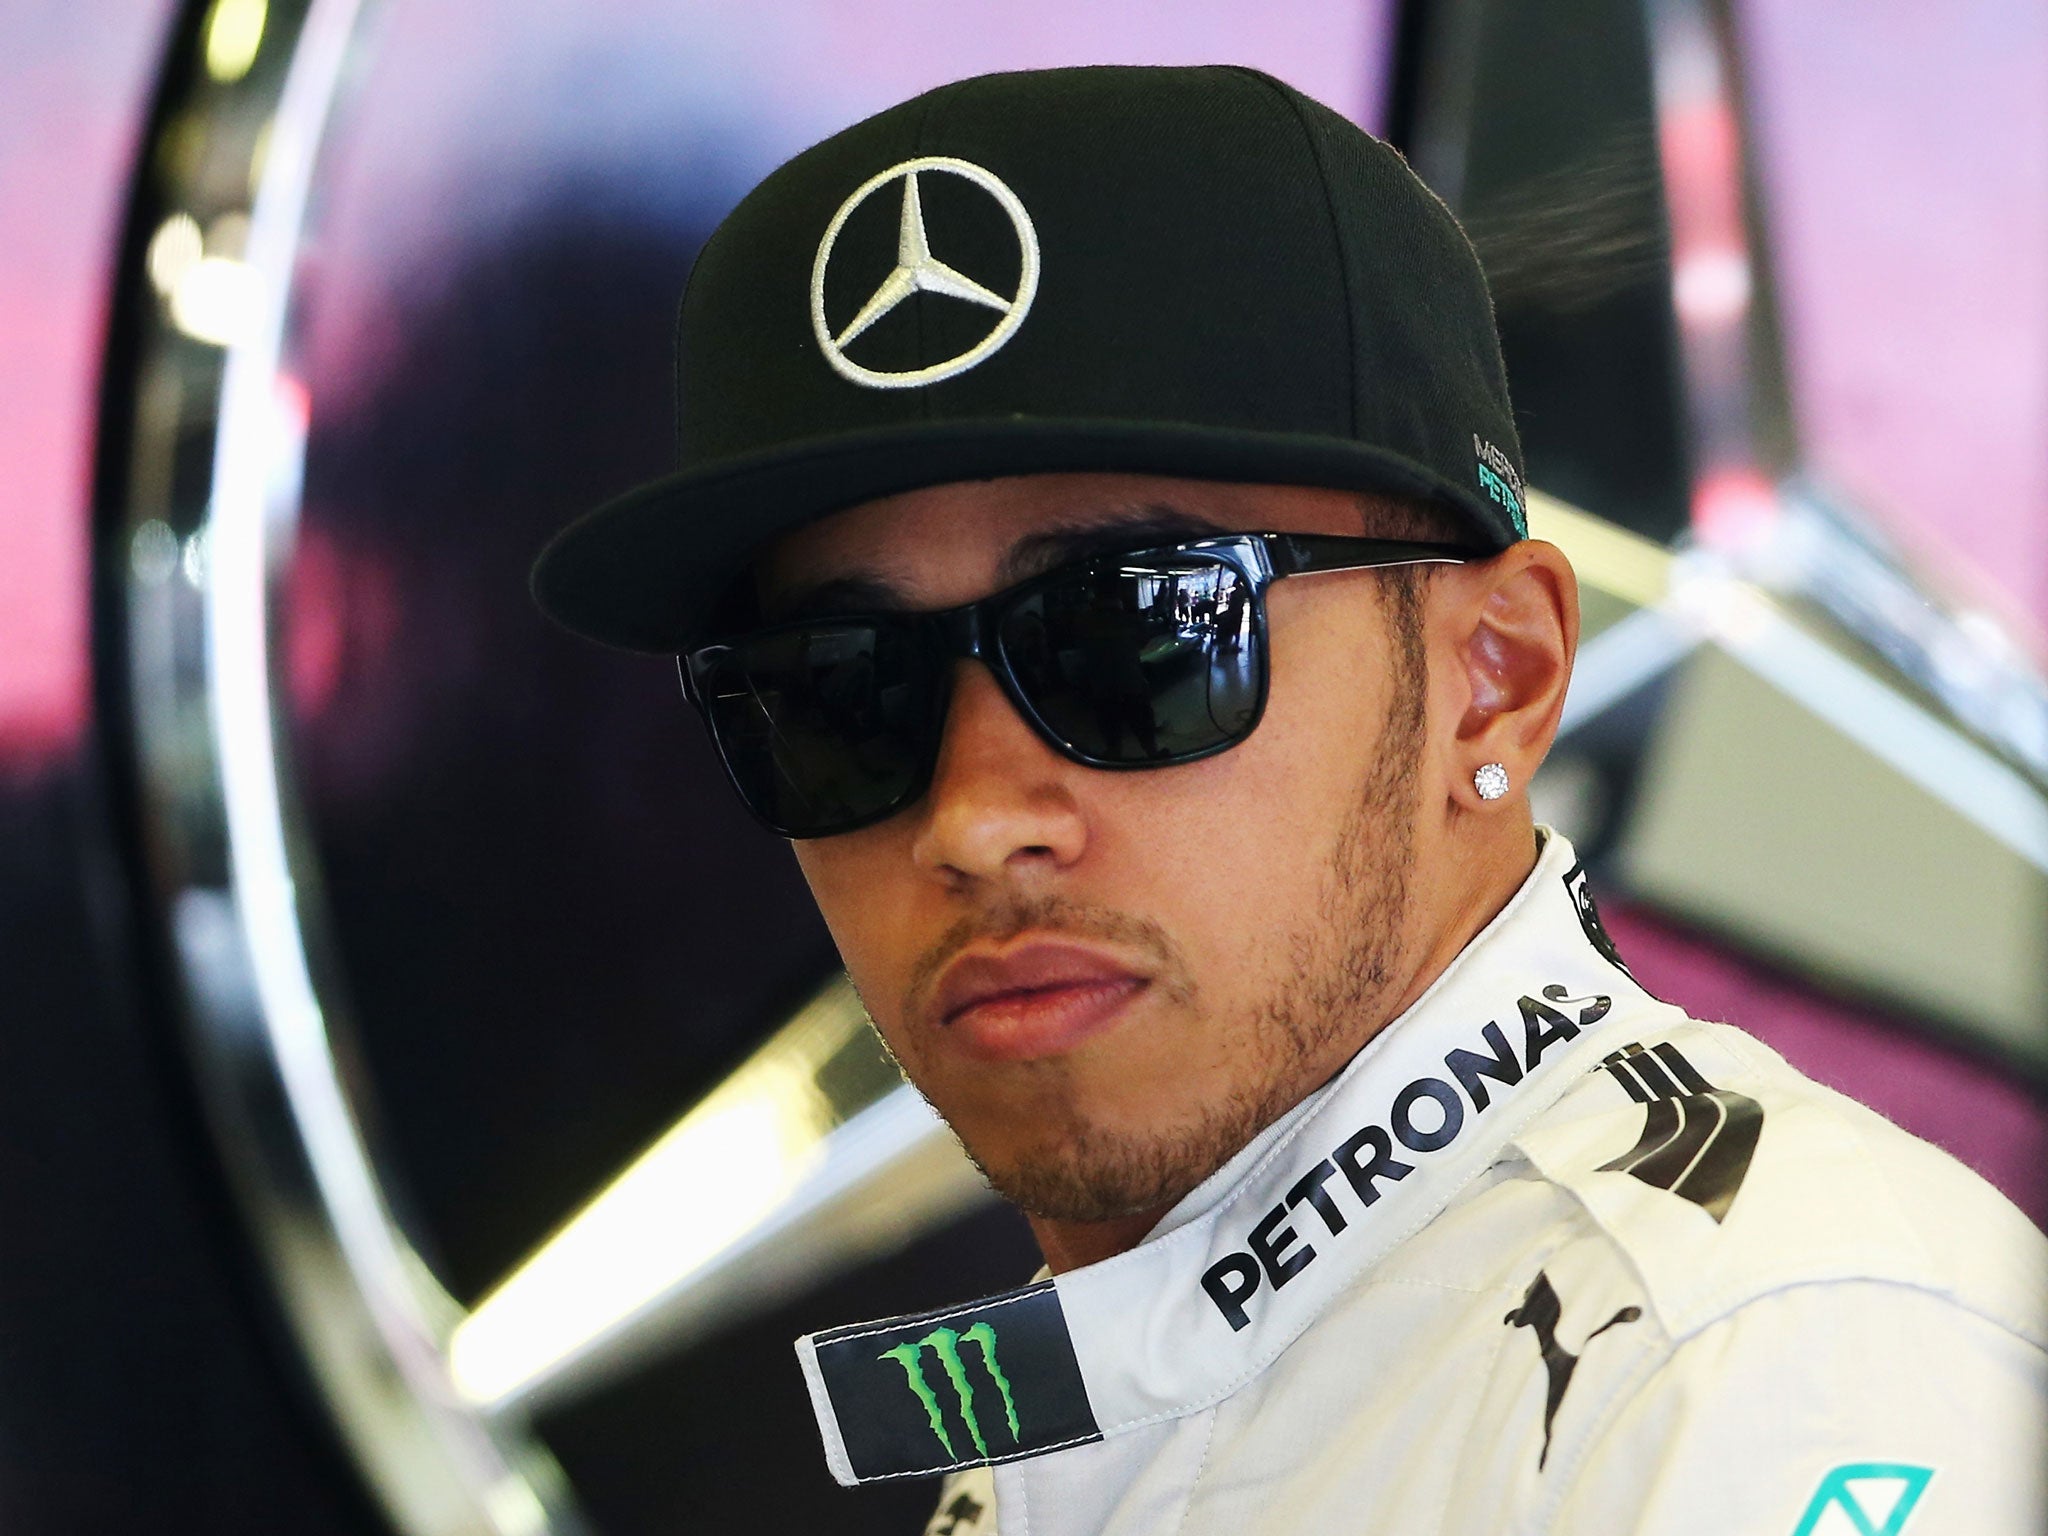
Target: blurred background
pixel 428 1106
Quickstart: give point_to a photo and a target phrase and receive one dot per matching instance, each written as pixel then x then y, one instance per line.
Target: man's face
pixel 1107 982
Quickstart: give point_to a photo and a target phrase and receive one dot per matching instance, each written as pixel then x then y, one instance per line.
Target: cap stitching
pixel 1315 151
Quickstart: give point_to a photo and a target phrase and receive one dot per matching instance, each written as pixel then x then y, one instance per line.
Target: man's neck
pixel 1501 871
pixel 1072 1244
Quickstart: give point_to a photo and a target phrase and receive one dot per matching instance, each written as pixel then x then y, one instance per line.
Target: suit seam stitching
pixel 1201 1465
pixel 1500 1343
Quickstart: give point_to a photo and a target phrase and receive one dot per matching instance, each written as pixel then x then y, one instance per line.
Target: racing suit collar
pixel 1249 1259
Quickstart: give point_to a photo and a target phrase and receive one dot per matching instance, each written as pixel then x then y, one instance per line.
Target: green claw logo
pixel 945 1343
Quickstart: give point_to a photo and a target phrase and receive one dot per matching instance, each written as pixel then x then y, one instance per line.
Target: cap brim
pixel 644 572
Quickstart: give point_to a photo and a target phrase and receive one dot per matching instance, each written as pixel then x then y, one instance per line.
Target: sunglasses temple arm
pixel 1309 554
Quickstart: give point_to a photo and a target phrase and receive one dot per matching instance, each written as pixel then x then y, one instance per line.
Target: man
pixel 1100 546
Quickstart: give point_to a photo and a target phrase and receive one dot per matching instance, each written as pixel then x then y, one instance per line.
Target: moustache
pixel 1055 917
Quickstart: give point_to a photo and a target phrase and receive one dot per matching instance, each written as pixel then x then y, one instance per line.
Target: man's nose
pixel 1001 803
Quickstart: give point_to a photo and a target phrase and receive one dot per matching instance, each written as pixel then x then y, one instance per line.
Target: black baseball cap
pixel 1196 272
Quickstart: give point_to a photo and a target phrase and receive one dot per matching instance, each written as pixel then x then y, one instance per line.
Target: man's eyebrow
pixel 1157 524
pixel 862 593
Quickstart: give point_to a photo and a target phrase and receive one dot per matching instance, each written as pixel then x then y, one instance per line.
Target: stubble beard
pixel 1343 960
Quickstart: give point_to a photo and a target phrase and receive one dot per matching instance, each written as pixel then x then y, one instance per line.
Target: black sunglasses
pixel 1143 659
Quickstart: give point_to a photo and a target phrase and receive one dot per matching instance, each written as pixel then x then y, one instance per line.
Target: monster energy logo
pixel 945 1343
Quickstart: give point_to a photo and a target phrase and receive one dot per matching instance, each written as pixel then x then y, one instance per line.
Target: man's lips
pixel 1038 1000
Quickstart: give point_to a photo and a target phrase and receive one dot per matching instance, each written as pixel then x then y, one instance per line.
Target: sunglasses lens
pixel 824 726
pixel 1146 661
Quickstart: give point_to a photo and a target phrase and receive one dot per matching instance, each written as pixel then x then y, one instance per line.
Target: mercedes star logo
pixel 919 271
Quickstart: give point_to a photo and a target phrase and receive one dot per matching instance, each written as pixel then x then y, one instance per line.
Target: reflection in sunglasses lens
pixel 1139 663
pixel 822 725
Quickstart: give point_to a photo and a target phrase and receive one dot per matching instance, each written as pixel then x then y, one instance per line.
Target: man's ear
pixel 1513 626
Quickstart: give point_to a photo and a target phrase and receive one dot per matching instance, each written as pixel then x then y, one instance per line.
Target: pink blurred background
pixel 1905 159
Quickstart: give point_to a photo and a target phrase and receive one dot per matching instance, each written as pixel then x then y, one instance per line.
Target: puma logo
pixel 1540 1312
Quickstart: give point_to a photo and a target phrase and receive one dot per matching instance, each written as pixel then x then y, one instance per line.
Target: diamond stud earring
pixel 1491 781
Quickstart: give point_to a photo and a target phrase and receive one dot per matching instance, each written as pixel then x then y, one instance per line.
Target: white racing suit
pixel 1547 1256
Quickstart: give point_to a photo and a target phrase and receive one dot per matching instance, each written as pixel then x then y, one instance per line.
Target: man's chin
pixel 1096 1175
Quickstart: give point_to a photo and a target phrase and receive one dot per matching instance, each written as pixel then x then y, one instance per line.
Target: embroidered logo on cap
pixel 917 270
pixel 1499 478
